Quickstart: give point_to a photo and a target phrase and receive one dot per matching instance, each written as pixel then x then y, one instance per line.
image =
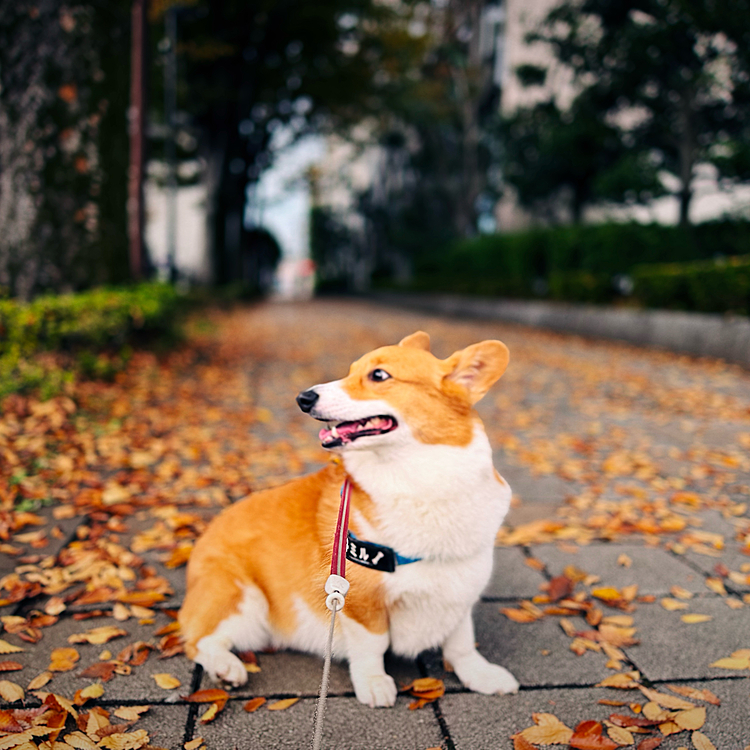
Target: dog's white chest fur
pixel 442 504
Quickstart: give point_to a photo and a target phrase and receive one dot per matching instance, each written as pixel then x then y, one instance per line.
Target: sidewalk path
pixel 625 559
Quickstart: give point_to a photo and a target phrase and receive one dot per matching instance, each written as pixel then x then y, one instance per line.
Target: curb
pixel 705 335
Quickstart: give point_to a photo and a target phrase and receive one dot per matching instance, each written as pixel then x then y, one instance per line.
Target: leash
pixel 336 588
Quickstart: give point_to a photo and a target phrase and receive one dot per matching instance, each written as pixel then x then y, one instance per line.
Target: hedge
pixel 577 263
pixel 79 327
pixel 721 285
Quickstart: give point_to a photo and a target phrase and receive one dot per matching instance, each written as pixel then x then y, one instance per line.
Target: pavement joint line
pixel 727 584
pixel 190 723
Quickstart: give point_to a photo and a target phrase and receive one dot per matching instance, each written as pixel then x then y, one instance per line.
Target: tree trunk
pixel 686 151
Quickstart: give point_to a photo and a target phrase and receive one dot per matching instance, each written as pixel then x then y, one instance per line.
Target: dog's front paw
pixel 375 690
pixel 487 678
pixel 224 666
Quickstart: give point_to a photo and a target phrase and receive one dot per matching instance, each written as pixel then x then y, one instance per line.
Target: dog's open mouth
pixel 347 432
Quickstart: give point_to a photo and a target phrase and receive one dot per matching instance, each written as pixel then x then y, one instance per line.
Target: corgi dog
pixel 426 505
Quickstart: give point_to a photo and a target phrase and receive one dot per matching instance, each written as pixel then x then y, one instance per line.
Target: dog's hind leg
pixel 228 617
pixel 474 671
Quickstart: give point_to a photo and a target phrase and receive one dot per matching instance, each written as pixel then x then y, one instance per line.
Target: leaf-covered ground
pixel 103 492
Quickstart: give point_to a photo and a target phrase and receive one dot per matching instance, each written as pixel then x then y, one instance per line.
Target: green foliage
pixel 721 285
pixel 44 344
pixel 581 263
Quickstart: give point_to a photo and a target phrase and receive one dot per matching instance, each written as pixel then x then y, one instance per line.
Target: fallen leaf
pixel 549 730
pixel 732 663
pixel 702 694
pixel 126 741
pixel 193 744
pixel 622 680
pixel 130 713
pixel 667 701
pixel 624 560
pixel 96 690
pixel 10 666
pixel 521 743
pixel 98 636
pixel 9 723
pixel 254 704
pixel 63 659
pixel 672 604
pixel 206 696
pixel 100 670
pixel 518 615
pixel 695 718
pixel 283 704
pixel 650 743
pixel 620 736
pixel 80 741
pixel 8 648
pixel 11 692
pixel 692 619
pixel 166 681
pixel 680 593
pixel 716 585
pixel 702 742
pixel 39 681
pixel 588 736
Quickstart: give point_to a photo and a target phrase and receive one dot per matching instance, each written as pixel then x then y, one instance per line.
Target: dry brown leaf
pixel 521 743
pixel 11 692
pixel 10 666
pixel 211 712
pixel 622 680
pixel 96 690
pixel 624 560
pixel 518 615
pixel 207 696
pixel 63 660
pixel 650 743
pixel 680 593
pixel 669 727
pixel 549 730
pixel 100 670
pixel 193 744
pixel 621 736
pixel 254 704
pixel 166 681
pixel 80 741
pixel 282 705
pixel 702 742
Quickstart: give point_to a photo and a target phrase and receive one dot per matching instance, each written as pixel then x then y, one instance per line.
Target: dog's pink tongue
pixel 343 432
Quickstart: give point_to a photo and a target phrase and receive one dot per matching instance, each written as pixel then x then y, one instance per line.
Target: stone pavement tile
pixel 732 559
pixel 670 649
pixel 481 722
pixel 348 726
pixel 165 725
pixel 138 685
pixel 292 673
pixel 519 647
pixel 653 569
pixel 511 577
pixel 550 490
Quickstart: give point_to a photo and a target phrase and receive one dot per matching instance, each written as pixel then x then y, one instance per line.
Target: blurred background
pixel 521 148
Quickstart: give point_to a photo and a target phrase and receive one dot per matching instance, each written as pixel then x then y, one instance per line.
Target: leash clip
pixel 337 588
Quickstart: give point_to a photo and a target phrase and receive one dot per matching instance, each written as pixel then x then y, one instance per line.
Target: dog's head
pixel 403 389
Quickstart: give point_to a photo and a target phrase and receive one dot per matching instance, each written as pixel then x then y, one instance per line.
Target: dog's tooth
pixel 334 431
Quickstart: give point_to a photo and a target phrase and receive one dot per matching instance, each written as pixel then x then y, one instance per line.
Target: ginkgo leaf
pixel 166 681
pixel 11 692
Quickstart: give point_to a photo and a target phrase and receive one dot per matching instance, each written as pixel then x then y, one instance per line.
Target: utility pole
pixel 170 106
pixel 136 125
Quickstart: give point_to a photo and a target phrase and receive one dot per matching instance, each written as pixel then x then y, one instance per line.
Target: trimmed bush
pixel 721 285
pixel 79 326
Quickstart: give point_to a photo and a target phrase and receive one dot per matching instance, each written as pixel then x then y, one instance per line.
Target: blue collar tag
pixel 375 556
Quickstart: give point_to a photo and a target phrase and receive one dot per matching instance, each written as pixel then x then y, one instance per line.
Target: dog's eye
pixel 378 376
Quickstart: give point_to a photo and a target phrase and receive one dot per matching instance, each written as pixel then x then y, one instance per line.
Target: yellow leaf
pixel 672 604
pixel 716 585
pixel 681 593
pixel 63 659
pixel 125 740
pixel 11 692
pixel 691 619
pixel 8 648
pixel 622 680
pixel 695 718
pixel 654 712
pixel 130 713
pixel 669 727
pixel 80 741
pixel 732 663
pixel 282 704
pixel 626 562
pixel 620 736
pixel 193 744
pixel 548 734
pixel 166 681
pixel 98 636
pixel 607 593
pixel 668 701
pixel 622 621
pixel 702 742
pixel 210 713
pixel 40 681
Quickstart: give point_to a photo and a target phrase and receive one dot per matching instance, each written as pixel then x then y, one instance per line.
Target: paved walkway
pixel 626 552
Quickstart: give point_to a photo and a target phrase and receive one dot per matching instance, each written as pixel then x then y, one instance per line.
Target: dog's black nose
pixel 306 400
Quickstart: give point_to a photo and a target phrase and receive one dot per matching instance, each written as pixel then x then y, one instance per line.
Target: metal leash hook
pixel 337 587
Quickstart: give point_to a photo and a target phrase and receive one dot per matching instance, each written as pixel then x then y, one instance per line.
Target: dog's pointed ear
pixel 418 340
pixel 478 367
